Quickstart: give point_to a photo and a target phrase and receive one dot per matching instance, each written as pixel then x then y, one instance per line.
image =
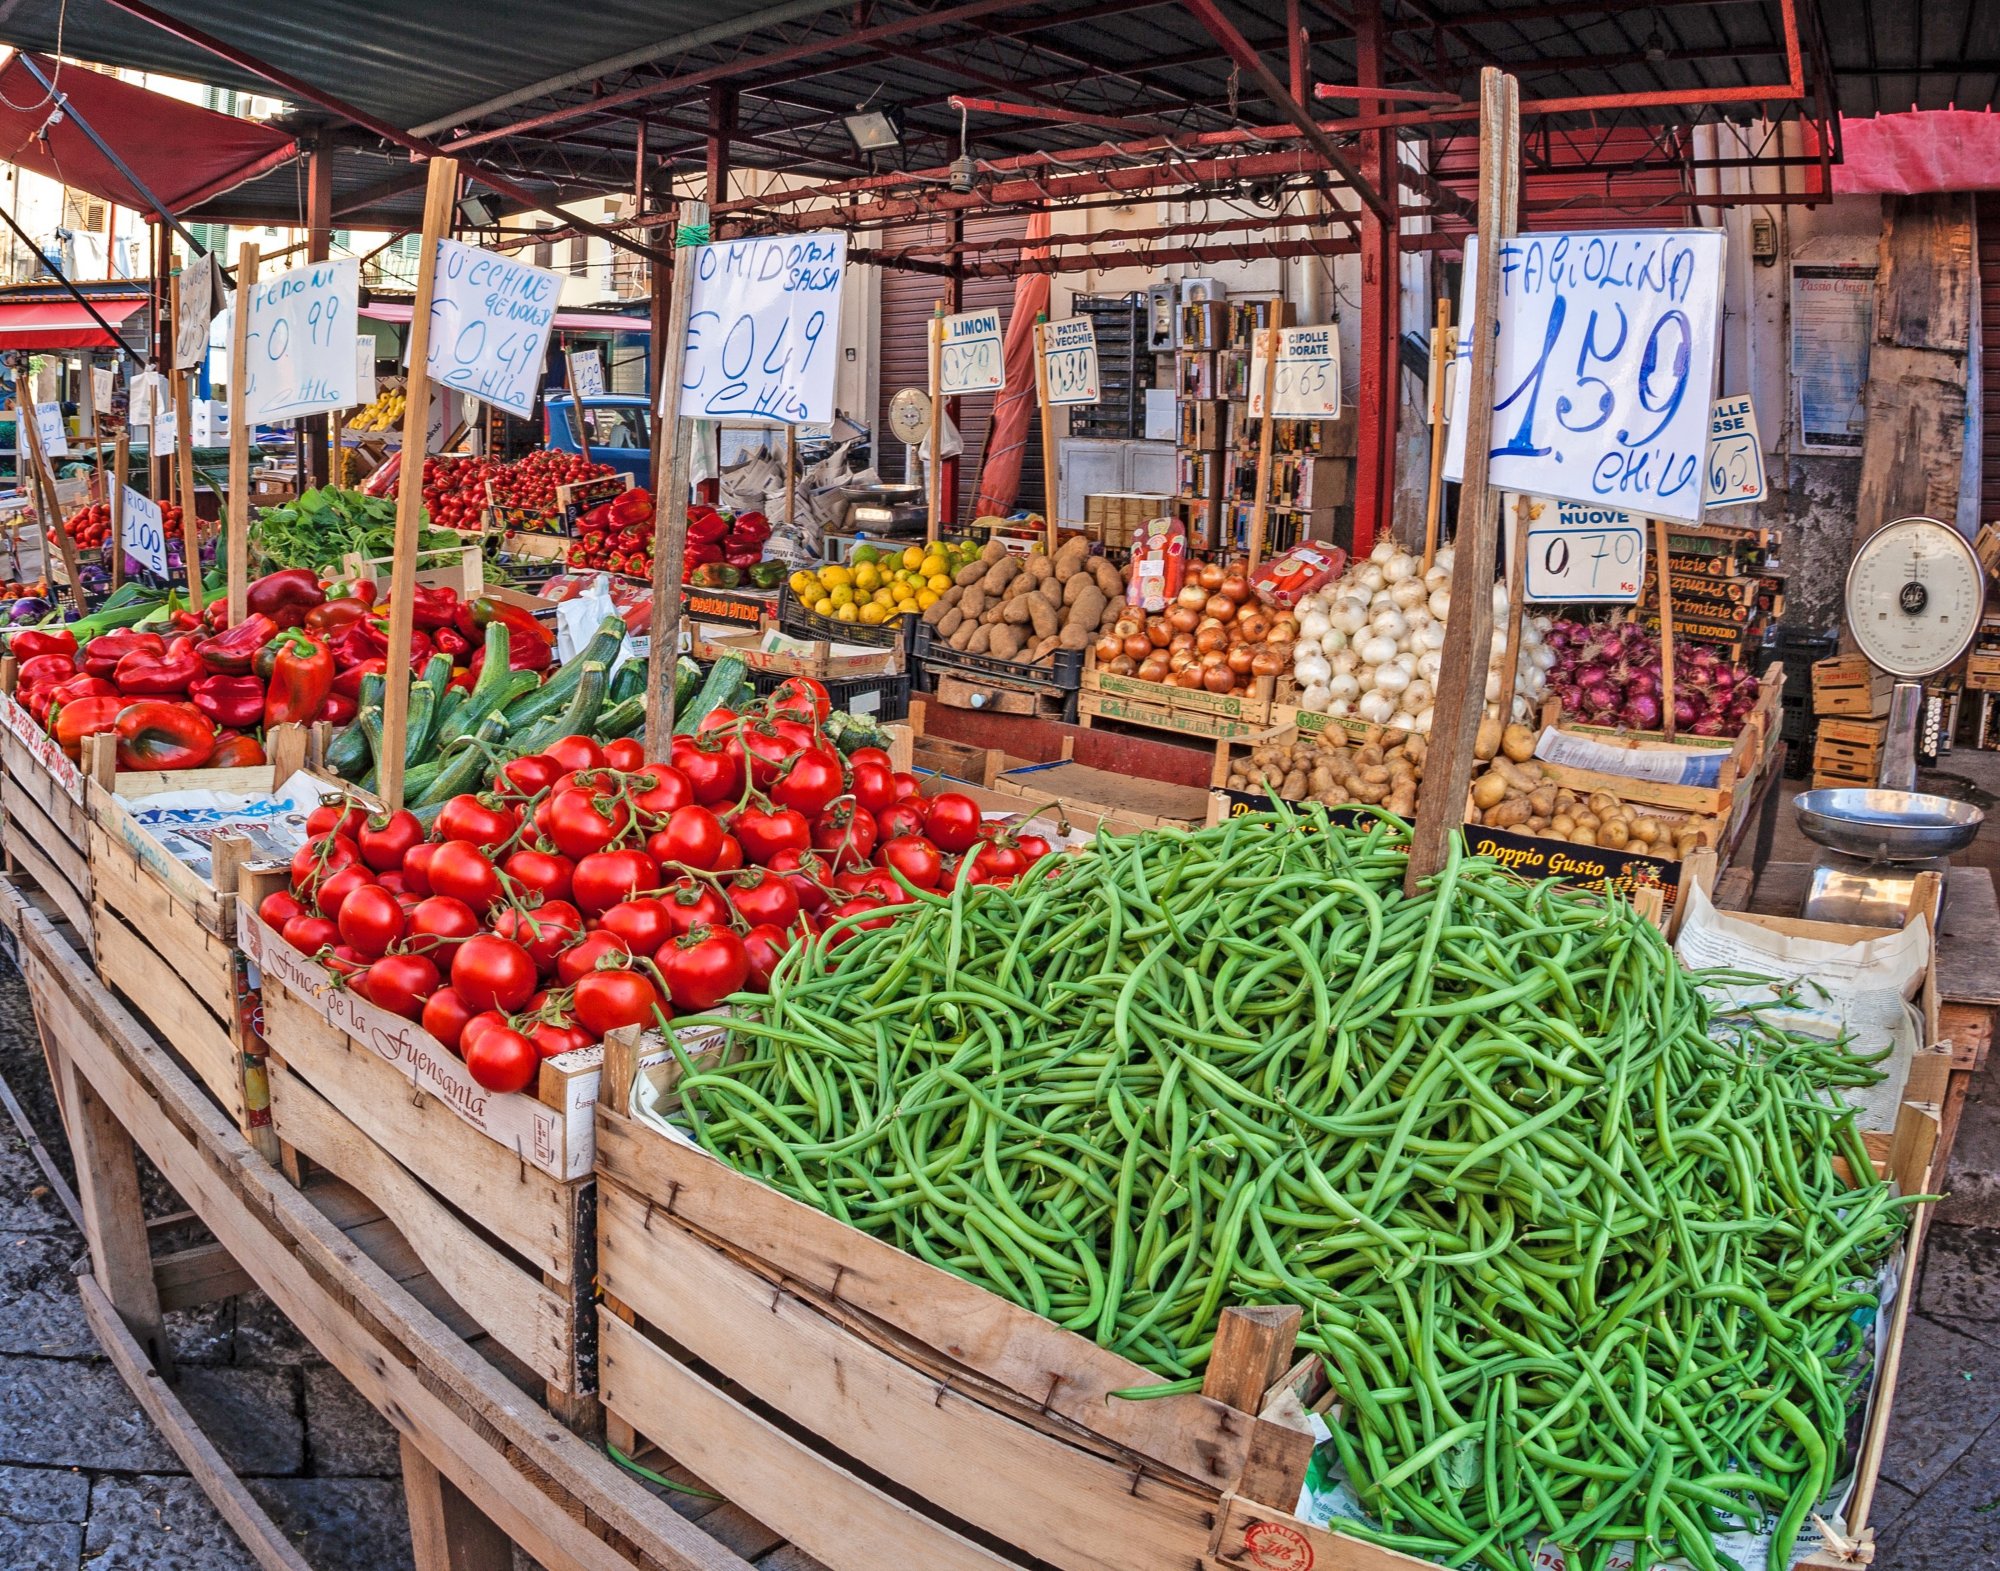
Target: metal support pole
pixel 1381 301
pixel 75 293
pixel 319 245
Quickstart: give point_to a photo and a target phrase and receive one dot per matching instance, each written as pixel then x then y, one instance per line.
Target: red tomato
pixel 544 932
pixel 461 870
pixel 998 862
pixel 729 858
pixel 344 817
pixel 664 789
pixel 807 873
pixel 644 923
pixel 384 842
pixel 845 833
pixel 607 877
pixel 704 968
pixel 527 775
pixel 882 884
pixel 576 752
pixel 713 766
pixel 763 835
pixel 908 787
pixel 810 782
pixel 309 934
pixel 915 858
pixel 442 921
pixel 318 860
pixel 951 821
pixel 693 836
pixel 552 1040
pixel 607 1000
pixel 898 819
pixel 624 753
pixel 502 1059
pixel 398 885
pixel 765 946
pixel 540 872
pixel 465 817
pixel 763 897
pixel 1033 847
pixel 492 973
pixel 870 755
pixel 691 904
pixel 874 784
pixel 580 822
pixel 277 908
pixel 336 889
pixel 369 919
pixel 417 867
pixel 401 984
pixel 854 906
pixel 445 1016
pixel 343 960
pixel 766 752
pixel 580 959
pixel 796 733
pixel 802 696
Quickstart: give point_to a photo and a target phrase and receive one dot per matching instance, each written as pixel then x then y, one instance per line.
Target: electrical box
pixel 1162 314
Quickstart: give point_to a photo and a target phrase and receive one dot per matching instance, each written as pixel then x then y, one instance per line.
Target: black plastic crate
pixel 798 622
pixel 1063 678
pixel 881 698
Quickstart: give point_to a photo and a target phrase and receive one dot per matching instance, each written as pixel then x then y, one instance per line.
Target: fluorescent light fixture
pixel 873 131
pixel 477 212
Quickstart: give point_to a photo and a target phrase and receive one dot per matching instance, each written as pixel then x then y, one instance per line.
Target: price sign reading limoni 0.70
pixel 1605 368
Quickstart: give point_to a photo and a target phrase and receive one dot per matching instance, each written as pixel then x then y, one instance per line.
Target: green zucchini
pixel 498 651
pixel 724 678
pixel 416 780
pixel 370 721
pixel 576 720
pixel 417 723
pixel 628 679
pixel 347 753
pixel 463 770
pixel 622 718
pixel 687 682
pixel 556 692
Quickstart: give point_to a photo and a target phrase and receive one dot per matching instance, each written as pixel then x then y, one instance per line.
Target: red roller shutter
pixel 1988 218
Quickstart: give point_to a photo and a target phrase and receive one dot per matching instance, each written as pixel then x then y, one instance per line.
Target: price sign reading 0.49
pixel 1578 553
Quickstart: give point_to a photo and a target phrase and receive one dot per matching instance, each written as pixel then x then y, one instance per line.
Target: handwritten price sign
pixel 1307 386
pixel 145 532
pixel 1580 553
pixel 490 321
pixel 1735 456
pixel 52 430
pixel 1069 349
pixel 974 356
pixel 586 373
pixel 763 328
pixel 1605 369
pixel 300 342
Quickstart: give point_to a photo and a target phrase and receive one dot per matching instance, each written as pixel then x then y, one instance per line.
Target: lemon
pixel 905 595
pixel 926 598
pixel 845 613
pixel 912 555
pixel 823 606
pixel 884 597
pixel 804 585
pixel 834 575
pixel 868 577
pixel 842 597
pixel 939 582
pixel 864 556
pixel 931 565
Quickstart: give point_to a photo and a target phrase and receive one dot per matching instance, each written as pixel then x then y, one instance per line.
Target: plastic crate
pixel 1063 678
pixel 796 621
pixel 873 697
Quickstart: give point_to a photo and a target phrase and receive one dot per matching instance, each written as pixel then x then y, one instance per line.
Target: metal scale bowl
pixel 1914 594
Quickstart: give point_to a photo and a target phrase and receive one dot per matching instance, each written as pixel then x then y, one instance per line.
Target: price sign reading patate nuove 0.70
pixel 1580 553
pixel 1604 368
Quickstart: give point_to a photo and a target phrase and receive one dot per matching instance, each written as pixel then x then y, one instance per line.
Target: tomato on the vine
pixel 369 919
pixel 846 833
pixel 763 835
pixel 607 1000
pixel 527 775
pixel 625 753
pixel 803 696
pixel 762 897
pixel 463 871
pixel 644 923
pixel 277 908
pixel 604 878
pixel 344 817
pixel 445 1016
pixel 581 958
pixel 385 841
pixel 401 984
pixel 575 752
pixel 492 973
pixel 667 790
pixel 580 822
pixel 898 819
pixel 914 857
pixel 810 782
pixel 309 934
pixel 477 822
pixel 540 872
pixel 332 894
pixel 545 932
pixel 318 860
pixel 703 968
pixel 502 1059
pixel 951 821
pixel 692 836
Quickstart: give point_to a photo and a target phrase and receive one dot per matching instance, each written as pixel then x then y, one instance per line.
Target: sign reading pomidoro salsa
pixel 764 328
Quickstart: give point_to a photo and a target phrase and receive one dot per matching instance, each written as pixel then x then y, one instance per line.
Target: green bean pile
pixel 1578 1269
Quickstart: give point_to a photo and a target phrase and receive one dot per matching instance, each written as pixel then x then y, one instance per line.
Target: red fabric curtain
pixel 1014 411
pixel 1924 150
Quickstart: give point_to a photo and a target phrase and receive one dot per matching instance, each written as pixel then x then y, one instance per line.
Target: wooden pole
pixel 670 504
pixel 334 468
pixel 238 544
pixel 1461 686
pixel 184 468
pixel 1443 351
pixel 1666 629
pixel 1051 479
pixel 50 505
pixel 1517 610
pixel 1260 503
pixel 121 460
pixel 935 479
pixel 439 195
pixel 791 475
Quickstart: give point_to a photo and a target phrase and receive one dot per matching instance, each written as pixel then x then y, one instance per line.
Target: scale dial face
pixel 1914 594
pixel 910 415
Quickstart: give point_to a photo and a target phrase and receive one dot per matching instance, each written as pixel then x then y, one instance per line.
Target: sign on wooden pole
pixel 184 470
pixel 1051 481
pixel 439 195
pixel 238 542
pixel 670 505
pixel 1260 503
pixel 47 502
pixel 935 478
pixel 121 462
pixel 1461 684
pixel 1440 358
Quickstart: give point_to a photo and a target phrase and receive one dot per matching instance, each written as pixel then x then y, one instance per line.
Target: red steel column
pixel 1381 297
pixel 721 124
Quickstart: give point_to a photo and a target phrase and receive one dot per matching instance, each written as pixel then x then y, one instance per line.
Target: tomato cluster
pixel 90 525
pixel 455 489
pixel 587 889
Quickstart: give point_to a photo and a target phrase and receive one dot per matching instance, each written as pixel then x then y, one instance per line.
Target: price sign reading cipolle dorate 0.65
pixel 1307 384
pixel 973 356
pixel 1604 368
pixel 1581 554
pixel 1735 456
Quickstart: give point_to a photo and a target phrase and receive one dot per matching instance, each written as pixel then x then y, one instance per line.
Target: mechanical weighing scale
pixel 1914 593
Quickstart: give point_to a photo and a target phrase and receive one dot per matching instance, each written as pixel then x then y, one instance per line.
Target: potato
pixel 1045 646
pixel 1509 813
pixel 972 603
pixel 1046 617
pixel 1562 824
pixel 961 638
pixel 980 642
pixel 1109 616
pixel 1005 642
pixel 971 573
pixel 1070 558
pixel 1087 609
pixel 943 606
pixel 1584 837
pixel 1543 800
pixel 950 623
pixel 993 550
pixel 1015 611
pixel 1615 834
pixel 1038 566
pixel 1293 787
pixel 1603 803
pixel 1486 744
pixel 1109 579
pixel 1489 790
pixel 1402 801
pixel 1517 742
pixel 1076 635
pixel 1646 830
pixel 1000 575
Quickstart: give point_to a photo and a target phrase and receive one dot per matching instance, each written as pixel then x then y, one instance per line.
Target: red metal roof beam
pixel 1054 116
pixel 1414 94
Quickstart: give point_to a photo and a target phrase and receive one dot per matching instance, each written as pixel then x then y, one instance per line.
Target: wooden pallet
pixel 1163 707
pixel 1849 685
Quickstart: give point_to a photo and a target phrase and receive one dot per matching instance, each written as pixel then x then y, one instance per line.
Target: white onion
pixel 1364 677
pixel 1429 663
pixel 1381 600
pixel 1538 683
pixel 1422 724
pixel 1499 600
pixel 1419 616
pixel 1416 698
pixel 1497 643
pixel 1390 623
pixel 1313 626
pixel 1399 567
pixel 1441 604
pixel 1350 616
pixel 1408 594
pixel 1542 658
pixel 1432 635
pixel 1377 649
pixel 1340 709
pixel 1343 685
pixel 1346 660
pixel 1446 556
pixel 1370 577
pixel 1492 687
pixel 1333 640
pixel 1531 635
pixel 1376 708
pixel 1391 678
pixel 1311 670
pixel 1315 698
pixel 1521 710
pixel 1384 550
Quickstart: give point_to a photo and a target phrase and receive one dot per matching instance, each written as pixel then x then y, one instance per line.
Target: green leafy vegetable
pixel 320 528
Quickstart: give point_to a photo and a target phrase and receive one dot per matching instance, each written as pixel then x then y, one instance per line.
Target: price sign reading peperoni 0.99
pixel 1605 368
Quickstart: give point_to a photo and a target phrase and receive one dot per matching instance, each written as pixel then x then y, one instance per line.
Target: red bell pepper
pixel 102 654
pixel 82 687
pixel 234 653
pixel 237 752
pixel 216 616
pixel 301 677
pixel 598 520
pixel 632 507
pixel 186 621
pixel 71 723
pixel 433 607
pixel 361 590
pixel 706 526
pixel 366 640
pixel 749 558
pixel 143 674
pixel 347 684
pixel 336 616
pixel 700 552
pixel 234 701
pixel 449 640
pixel 751 526
pixel 530 646
pixel 32 642
pixel 39 670
pixel 338 708
pixel 156 733
pixel 285 597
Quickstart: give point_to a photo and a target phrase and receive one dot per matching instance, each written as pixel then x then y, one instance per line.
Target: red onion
pixel 1641 712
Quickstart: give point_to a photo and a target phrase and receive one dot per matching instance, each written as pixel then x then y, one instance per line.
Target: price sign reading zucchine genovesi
pixel 1605 368
pixel 1580 553
pixel 1070 349
pixel 490 325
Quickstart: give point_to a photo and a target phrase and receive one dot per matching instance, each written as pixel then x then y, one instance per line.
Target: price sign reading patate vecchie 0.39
pixel 1579 553
pixel 491 320
pixel 299 351
pixel 1070 348
pixel 1605 368
pixel 973 357
pixel 764 328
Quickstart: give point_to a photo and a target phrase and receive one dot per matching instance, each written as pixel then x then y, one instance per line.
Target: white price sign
pixel 51 430
pixel 491 318
pixel 973 356
pixel 144 398
pixel 764 328
pixel 103 388
pixel 1579 553
pixel 1735 455
pixel 145 532
pixel 586 373
pixel 299 347
pixel 1307 386
pixel 364 368
pixel 166 431
pixel 1070 348
pixel 1605 369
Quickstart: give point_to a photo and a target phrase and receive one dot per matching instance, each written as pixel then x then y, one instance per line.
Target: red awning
pixel 184 153
pixel 1924 150
pixel 61 324
pixel 567 321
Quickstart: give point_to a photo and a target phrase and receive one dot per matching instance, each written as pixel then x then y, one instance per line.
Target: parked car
pixel 620 427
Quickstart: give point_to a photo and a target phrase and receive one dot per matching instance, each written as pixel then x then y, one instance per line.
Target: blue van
pixel 620 427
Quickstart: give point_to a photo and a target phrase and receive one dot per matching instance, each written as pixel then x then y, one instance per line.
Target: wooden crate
pixel 47 827
pixel 1166 708
pixel 877 1411
pixel 1982 671
pixel 1849 685
pixel 1848 752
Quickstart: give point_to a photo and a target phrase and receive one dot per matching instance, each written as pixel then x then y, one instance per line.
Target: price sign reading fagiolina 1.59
pixel 1604 368
pixel 1580 553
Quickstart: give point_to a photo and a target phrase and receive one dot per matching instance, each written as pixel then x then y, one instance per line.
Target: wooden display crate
pixel 783 655
pixel 1848 752
pixel 875 1410
pixel 1982 671
pixel 46 834
pixel 1849 685
pixel 1167 708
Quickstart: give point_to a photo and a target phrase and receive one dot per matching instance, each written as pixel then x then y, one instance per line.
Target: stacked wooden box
pixel 1114 517
pixel 1851 699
